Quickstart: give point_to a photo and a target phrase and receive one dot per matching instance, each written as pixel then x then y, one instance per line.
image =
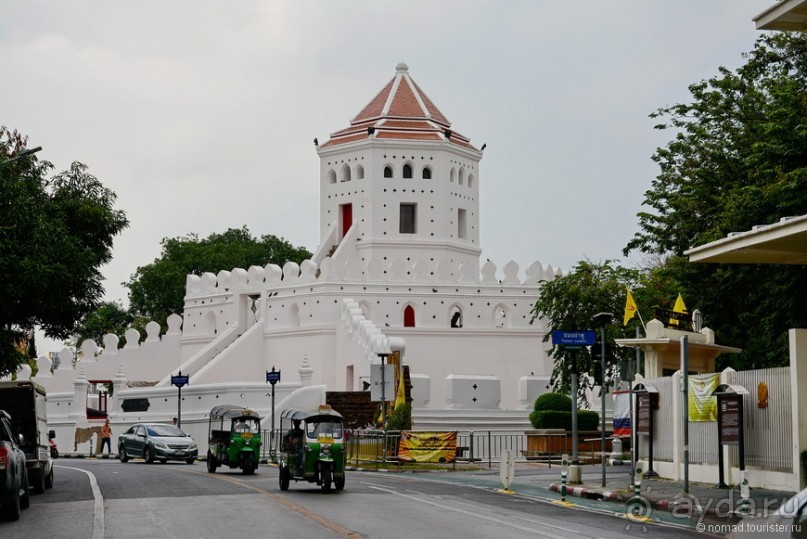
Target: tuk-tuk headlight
pixel 325 450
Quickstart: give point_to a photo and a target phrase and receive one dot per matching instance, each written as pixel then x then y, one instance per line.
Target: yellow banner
pixel 702 405
pixel 428 446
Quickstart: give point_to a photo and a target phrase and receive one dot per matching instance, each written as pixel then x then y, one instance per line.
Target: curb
pixel 589 493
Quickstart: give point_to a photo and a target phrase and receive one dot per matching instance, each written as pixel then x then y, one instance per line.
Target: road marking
pixel 333 526
pixel 509 524
pixel 98 524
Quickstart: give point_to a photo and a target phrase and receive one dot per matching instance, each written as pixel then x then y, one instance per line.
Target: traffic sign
pixel 562 337
pixel 273 376
pixel 180 380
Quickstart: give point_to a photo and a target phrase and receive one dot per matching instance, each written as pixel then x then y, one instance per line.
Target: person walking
pixel 106 436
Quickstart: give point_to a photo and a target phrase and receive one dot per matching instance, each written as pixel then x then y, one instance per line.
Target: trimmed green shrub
pixel 553 401
pixel 554 411
pixel 400 418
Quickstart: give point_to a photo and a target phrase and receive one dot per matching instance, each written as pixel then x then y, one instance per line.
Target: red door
pixel 347 218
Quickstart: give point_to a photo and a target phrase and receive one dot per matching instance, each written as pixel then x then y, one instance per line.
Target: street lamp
pixel 602 319
pixel 24 153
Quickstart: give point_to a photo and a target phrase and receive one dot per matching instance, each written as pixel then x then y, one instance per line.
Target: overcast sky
pixel 201 115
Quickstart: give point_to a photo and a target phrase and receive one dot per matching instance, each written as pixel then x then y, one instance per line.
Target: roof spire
pixel 401 67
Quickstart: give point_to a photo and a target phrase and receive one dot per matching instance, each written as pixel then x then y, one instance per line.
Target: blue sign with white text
pixel 562 337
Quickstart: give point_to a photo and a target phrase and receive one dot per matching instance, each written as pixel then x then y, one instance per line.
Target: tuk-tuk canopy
pixel 323 413
pixel 230 411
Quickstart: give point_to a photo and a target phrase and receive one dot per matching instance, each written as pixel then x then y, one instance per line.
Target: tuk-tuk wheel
pixel 339 483
pixel 285 477
pixel 211 463
pixel 326 479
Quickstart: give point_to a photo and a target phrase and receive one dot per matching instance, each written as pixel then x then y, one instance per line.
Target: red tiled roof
pixel 400 111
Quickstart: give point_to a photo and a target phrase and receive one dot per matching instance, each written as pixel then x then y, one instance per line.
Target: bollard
pixel 637 482
pixel 743 508
pixel 564 473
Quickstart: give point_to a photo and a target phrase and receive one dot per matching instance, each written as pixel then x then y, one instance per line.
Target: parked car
pixel 156 441
pixel 13 472
pixel 790 520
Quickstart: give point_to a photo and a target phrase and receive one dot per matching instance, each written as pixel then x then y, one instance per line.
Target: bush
pixel 553 401
pixel 554 411
pixel 400 418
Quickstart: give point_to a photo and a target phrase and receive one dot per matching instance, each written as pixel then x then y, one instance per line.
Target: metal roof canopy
pixel 783 242
pixel 641 386
pixel 730 389
pixel 784 15
pixel 230 411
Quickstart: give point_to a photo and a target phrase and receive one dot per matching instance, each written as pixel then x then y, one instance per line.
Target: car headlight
pixel 160 445
pixel 192 446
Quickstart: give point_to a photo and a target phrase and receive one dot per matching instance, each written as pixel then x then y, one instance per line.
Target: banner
pixel 621 413
pixel 428 446
pixel 702 405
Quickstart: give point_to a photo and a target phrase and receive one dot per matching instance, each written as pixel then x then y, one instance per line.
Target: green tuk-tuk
pixel 312 448
pixel 234 439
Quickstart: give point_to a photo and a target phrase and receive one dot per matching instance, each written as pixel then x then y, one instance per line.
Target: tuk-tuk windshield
pixel 324 427
pixel 246 424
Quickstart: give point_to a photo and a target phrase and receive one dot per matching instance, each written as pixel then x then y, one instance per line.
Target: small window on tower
pixel 427 173
pixel 407 171
pixel 462 224
pixel 407 218
pixel 388 172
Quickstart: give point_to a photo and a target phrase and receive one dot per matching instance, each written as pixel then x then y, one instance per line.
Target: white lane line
pixel 476 514
pixel 98 524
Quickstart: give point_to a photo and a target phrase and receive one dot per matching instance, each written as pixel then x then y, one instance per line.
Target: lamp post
pixel 24 153
pixel 602 319
pixel 272 377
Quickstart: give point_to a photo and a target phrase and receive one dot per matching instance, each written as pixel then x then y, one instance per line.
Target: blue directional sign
pixel 562 337
pixel 273 376
pixel 179 381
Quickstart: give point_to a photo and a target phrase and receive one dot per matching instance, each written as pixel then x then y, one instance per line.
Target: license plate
pixel 247 435
pixel 325 439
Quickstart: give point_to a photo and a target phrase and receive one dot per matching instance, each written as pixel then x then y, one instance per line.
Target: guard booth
pixel 646 404
pixel 730 426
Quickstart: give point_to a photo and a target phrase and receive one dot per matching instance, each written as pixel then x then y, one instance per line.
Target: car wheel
pixel 49 479
pixel 211 463
pixel 25 497
pixel 285 476
pixel 148 456
pixel 124 458
pixel 39 483
pixel 190 460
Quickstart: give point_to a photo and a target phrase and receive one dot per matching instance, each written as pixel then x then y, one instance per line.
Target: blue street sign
pixel 273 376
pixel 179 381
pixel 562 337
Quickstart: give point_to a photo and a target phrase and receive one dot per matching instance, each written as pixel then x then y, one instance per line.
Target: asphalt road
pixel 106 499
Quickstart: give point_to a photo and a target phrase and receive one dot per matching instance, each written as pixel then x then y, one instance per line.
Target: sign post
pixel 179 380
pixel 730 425
pixel 272 377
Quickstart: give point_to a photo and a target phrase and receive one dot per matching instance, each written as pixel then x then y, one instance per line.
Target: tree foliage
pixel 157 290
pixel 109 317
pixel 738 159
pixel 569 302
pixel 55 234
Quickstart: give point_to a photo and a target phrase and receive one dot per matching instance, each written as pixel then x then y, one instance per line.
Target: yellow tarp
pixel 702 405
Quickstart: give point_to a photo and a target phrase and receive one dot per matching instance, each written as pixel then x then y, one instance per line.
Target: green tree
pixel 158 289
pixel 570 301
pixel 55 234
pixel 109 317
pixel 738 159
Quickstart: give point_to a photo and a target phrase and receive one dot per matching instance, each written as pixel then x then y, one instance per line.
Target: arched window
pixel 359 172
pixel 470 180
pixel 456 317
pixel 407 171
pixel 462 176
pixel 345 173
pixel 427 173
pixel 388 172
pixel 294 316
pixel 452 176
pixel 500 317
pixel 409 317
pixel 331 176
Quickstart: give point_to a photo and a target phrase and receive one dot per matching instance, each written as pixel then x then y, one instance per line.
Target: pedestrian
pixel 174 422
pixel 106 436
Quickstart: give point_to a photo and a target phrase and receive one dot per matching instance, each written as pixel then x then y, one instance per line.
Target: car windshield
pixel 165 430
pixel 317 428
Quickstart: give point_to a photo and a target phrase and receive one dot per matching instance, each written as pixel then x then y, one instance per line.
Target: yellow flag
pixel 630 308
pixel 400 395
pixel 678 308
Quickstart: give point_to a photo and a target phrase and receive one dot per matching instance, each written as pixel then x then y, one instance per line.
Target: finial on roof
pixel 401 68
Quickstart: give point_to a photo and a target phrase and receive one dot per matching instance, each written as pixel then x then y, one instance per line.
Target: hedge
pixel 553 401
pixel 554 419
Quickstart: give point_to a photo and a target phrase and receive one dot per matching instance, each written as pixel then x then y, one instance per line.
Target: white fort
pixel 398 268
